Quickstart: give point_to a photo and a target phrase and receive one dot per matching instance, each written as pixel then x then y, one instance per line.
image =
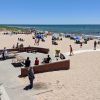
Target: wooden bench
pixel 26 49
pixel 55 66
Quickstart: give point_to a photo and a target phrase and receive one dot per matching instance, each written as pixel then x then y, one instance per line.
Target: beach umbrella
pixel 78 38
pixel 42 36
pixel 39 36
pixel 73 36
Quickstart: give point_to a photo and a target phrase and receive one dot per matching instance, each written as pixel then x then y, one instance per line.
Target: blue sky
pixel 49 11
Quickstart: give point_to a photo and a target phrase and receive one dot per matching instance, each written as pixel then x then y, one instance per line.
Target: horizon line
pixel 49 24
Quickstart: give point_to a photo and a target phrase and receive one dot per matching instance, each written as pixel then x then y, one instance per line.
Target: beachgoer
pixel 27 62
pixel 31 77
pixel 21 45
pixel 47 60
pixel 20 39
pixel 3 57
pixel 35 41
pixel 36 61
pixel 38 41
pixel 4 53
pixel 17 46
pixel 81 45
pixel 13 46
pixel 99 42
pixel 71 50
pixel 95 44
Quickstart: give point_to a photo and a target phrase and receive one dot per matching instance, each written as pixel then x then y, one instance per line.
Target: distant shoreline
pixel 87 29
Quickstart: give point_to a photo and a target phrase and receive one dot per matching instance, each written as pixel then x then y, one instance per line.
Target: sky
pixel 49 11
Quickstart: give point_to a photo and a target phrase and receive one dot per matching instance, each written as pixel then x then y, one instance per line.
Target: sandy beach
pixel 80 82
pixel 49 50
pixel 9 40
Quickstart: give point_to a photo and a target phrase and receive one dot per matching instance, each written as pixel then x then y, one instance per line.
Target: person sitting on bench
pixel 47 60
pixel 36 61
pixel 27 62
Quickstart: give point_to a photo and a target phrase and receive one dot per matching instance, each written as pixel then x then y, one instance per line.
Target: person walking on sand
pixel 31 77
pixel 71 50
pixel 95 45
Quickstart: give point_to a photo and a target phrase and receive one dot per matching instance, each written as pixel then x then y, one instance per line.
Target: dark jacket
pixel 27 63
pixel 31 74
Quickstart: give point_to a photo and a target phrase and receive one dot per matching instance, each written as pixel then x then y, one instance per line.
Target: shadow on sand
pixel 37 86
pixel 17 64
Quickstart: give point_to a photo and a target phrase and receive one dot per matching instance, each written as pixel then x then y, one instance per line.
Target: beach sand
pixel 9 40
pixel 80 82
